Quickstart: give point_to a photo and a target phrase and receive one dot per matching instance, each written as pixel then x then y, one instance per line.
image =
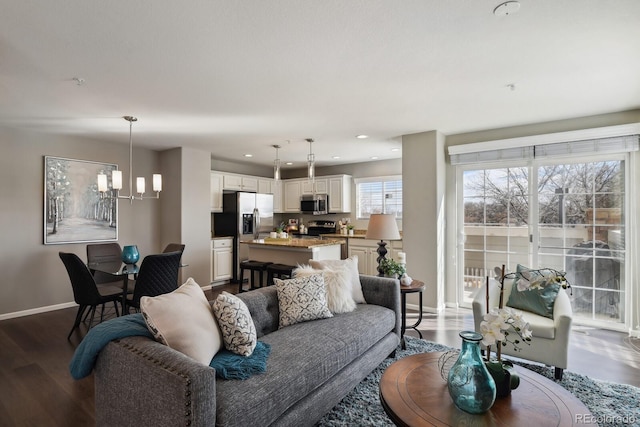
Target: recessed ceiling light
pixel 248 155
pixel 395 149
pixel 336 157
pixel 288 163
pixel 506 8
pixel 374 157
pixel 362 136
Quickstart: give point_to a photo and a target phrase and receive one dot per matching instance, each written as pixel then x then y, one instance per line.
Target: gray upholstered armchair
pixel 550 341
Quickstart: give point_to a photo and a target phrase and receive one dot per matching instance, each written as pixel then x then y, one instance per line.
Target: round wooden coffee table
pixel 414 394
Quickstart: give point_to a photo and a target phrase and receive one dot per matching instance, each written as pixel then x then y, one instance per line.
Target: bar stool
pixel 254 267
pixel 279 271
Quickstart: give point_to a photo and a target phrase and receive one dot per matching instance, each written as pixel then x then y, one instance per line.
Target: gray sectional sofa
pixel 312 366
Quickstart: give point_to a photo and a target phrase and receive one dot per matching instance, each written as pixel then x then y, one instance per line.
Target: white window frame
pixel 632 309
pixel 381 179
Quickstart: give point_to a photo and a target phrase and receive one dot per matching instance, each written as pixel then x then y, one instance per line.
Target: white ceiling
pixel 236 77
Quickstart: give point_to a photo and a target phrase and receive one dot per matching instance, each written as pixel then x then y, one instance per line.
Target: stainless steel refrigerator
pixel 245 216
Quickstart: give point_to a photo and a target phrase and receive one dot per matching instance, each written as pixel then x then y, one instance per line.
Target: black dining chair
pixel 158 275
pixel 86 293
pixel 104 252
pixel 173 247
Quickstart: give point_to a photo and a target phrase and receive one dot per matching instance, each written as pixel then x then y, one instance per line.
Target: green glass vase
pixel 470 385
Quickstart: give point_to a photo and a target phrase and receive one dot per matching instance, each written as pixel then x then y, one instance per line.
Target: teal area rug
pixel 611 404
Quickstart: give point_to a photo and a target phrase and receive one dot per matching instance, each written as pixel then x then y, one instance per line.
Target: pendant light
pixel 116 176
pixel 276 165
pixel 311 162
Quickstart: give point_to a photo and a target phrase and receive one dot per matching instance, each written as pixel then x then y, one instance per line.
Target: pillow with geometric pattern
pixel 337 282
pixel 237 327
pixel 302 299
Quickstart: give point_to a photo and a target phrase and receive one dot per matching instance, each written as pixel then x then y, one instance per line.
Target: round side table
pixel 415 286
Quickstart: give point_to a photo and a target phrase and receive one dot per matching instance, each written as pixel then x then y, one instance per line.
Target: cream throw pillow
pixel 238 331
pixel 183 321
pixel 337 282
pixel 301 299
pixel 352 265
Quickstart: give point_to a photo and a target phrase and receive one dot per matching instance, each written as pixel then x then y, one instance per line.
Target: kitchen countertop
pixel 344 236
pixel 355 236
pixel 294 243
pixel 221 237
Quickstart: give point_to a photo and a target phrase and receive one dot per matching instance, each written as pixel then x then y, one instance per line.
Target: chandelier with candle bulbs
pixel 116 176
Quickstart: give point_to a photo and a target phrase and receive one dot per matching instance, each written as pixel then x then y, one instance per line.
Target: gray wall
pixel 423 196
pixel 33 274
pixel 195 226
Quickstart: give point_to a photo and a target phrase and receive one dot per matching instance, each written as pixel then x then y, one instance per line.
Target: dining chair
pixel 158 275
pixel 104 252
pixel 173 247
pixel 86 293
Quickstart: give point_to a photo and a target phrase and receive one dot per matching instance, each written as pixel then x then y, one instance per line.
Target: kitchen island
pixel 293 251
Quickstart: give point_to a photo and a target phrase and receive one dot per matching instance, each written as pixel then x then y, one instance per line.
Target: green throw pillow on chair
pixel 535 300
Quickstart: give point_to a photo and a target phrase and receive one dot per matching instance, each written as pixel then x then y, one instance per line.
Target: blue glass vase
pixel 470 385
pixel 130 254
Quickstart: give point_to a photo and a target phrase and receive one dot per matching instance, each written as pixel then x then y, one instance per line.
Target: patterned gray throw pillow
pixel 301 299
pixel 235 322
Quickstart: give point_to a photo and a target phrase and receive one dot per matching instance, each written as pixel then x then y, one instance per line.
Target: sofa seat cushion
pixel 540 326
pixel 303 357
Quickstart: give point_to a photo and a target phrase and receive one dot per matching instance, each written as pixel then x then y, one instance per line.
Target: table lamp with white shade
pixel 382 227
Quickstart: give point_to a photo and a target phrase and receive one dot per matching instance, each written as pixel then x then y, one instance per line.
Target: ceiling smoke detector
pixel 506 8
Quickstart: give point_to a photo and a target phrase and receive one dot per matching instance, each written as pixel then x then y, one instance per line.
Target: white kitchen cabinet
pixel 277 197
pixel 292 190
pixel 240 183
pixel 366 264
pixel 216 192
pixel 265 186
pixel 249 183
pixel 221 259
pixel 317 186
pixel 339 190
pixel 232 182
pixel 367 252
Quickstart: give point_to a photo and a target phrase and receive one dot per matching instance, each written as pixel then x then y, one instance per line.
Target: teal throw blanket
pixel 228 365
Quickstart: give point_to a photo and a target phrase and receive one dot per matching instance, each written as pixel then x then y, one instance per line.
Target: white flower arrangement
pixel 542 278
pixel 496 326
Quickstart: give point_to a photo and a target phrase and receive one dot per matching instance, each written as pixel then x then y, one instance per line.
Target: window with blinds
pixel 379 195
pixel 483 153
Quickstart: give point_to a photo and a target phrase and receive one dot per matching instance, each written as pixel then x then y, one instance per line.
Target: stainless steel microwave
pixel 314 204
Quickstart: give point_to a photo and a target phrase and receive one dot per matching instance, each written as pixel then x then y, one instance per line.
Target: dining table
pixel 117 269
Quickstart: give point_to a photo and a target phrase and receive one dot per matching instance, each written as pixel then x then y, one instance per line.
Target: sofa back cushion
pixel 263 306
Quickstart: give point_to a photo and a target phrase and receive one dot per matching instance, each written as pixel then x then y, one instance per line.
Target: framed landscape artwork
pixel 74 209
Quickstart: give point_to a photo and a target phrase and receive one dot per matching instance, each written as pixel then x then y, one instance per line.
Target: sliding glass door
pixel 566 215
pixel 580 229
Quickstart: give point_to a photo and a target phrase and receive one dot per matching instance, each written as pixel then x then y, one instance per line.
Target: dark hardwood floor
pixel 36 388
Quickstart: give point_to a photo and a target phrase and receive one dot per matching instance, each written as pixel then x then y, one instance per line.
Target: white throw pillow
pixel 352 265
pixel 301 299
pixel 238 331
pixel 337 282
pixel 183 321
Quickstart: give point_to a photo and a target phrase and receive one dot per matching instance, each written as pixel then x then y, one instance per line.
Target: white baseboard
pixel 55 307
pixel 416 307
pixel 37 310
